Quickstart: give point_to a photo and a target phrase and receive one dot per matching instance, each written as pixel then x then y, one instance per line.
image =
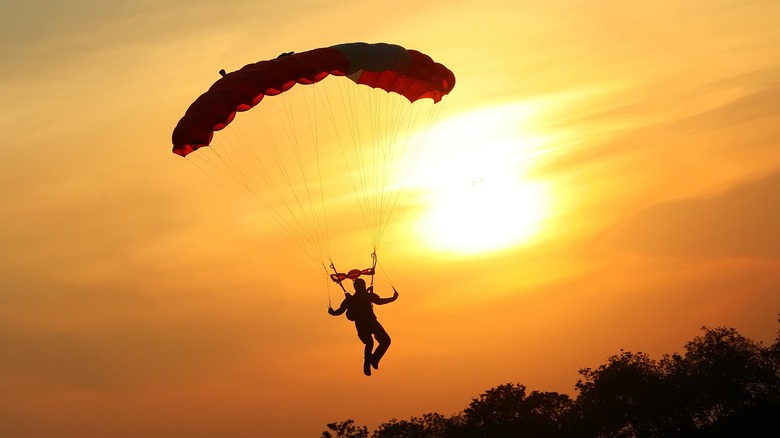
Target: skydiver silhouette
pixel 359 309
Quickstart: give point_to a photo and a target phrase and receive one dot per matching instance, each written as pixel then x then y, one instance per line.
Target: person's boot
pixel 367 366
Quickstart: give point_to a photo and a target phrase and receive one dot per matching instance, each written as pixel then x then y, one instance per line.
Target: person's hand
pixel 330 310
pixel 395 293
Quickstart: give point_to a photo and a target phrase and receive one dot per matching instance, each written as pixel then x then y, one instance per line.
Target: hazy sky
pixel 627 163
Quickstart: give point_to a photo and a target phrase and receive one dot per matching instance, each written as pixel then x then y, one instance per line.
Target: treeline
pixel 725 385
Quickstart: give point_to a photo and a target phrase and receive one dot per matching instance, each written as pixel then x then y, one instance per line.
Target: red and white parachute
pixel 301 151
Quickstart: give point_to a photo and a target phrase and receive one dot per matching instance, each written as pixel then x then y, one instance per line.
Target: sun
pixel 478 198
pixel 488 215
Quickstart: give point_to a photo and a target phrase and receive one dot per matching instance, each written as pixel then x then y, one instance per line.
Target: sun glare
pixel 477 196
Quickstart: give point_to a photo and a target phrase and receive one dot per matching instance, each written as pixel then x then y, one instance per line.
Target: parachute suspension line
pixel 389 123
pixel 389 280
pixel 327 284
pixel 248 156
pixel 360 184
pixel 249 164
pixel 226 150
pixel 383 169
pixel 282 172
pixel 198 161
pixel 310 218
pixel 207 160
pixel 410 151
pixel 393 136
pixel 384 145
pixel 319 217
pixel 366 181
pixel 393 152
pixel 315 136
pixel 292 223
pixel 350 113
pixel 372 110
pixel 302 224
pixel 395 117
pixel 368 166
pixel 297 223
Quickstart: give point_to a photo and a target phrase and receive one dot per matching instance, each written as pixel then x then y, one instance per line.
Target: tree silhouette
pixel 506 411
pixel 496 412
pixel 726 377
pixel 724 385
pixel 345 429
pixel 624 397
pixel 429 426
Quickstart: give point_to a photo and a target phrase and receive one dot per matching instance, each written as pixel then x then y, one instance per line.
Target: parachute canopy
pixel 392 68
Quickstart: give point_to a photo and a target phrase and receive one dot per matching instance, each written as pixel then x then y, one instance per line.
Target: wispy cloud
pixel 740 222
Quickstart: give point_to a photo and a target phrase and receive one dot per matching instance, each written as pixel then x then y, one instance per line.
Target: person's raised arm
pixel 381 301
pixel 342 308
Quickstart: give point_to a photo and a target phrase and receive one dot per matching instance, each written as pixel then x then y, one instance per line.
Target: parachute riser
pixel 336 273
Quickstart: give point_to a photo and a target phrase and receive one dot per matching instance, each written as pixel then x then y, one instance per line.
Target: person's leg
pixel 364 333
pixel 384 343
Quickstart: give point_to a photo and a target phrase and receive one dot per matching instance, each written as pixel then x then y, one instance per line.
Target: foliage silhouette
pixel 429 426
pixel 725 385
pixel 345 429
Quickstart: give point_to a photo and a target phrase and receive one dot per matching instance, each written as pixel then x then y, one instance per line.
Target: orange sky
pixel 635 148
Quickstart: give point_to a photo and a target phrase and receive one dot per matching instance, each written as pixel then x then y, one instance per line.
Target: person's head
pixel 359 284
